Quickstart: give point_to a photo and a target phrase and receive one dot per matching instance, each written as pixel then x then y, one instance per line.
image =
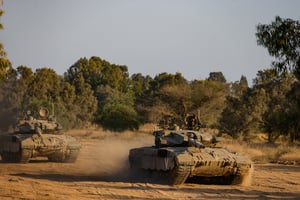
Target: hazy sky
pixel 193 37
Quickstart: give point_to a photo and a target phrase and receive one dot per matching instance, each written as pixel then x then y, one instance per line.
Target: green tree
pixel 96 71
pixel 140 84
pixel 43 90
pixel 171 95
pixel 116 109
pixel 231 119
pixel 165 97
pixel 275 118
pixel 5 65
pixel 166 79
pixel 86 103
pixel 282 40
pixel 209 96
pixel 156 98
pixel 45 85
pixel 263 107
pixel 141 88
pixel 239 87
pixel 174 101
pixel 14 95
pixel 242 114
pixel 293 122
pixel 217 76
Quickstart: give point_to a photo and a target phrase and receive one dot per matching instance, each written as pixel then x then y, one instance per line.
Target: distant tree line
pixel 95 91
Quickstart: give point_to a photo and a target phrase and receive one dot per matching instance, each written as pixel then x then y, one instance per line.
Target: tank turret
pixel 184 138
pixel 43 124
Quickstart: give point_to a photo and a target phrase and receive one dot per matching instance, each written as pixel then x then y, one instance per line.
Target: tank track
pixel 241 175
pixel 179 174
pixel 22 156
pixel 63 157
pixel 25 155
pixel 72 156
pixel 237 178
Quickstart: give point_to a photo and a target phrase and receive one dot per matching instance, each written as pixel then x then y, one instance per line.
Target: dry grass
pixel 261 151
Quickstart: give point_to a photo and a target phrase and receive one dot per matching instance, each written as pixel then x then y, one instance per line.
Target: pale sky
pixel 193 37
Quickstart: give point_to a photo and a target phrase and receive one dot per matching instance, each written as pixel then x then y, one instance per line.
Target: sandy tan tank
pixel 40 137
pixel 182 154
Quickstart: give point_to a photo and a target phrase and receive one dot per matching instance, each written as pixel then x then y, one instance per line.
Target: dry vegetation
pixel 261 151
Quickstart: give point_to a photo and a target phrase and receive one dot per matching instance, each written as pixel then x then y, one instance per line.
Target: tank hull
pixel 20 148
pixel 181 163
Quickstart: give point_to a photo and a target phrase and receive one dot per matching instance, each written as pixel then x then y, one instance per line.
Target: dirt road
pixel 101 172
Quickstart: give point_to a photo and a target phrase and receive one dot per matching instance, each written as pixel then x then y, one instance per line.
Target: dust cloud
pixel 247 179
pixel 107 158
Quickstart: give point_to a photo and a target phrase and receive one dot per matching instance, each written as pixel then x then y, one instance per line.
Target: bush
pixel 119 117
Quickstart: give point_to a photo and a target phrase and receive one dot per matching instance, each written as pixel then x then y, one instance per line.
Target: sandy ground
pixel 101 172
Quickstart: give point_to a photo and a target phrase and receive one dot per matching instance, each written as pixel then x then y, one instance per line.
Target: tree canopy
pixel 5 65
pixel 282 40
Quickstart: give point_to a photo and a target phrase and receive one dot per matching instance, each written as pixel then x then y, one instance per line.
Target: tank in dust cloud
pixel 182 154
pixel 38 138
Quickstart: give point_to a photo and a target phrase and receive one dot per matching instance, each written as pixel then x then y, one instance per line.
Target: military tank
pixel 179 155
pixel 182 154
pixel 38 137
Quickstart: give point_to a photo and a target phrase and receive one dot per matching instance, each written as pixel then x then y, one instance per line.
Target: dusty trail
pixel 101 172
